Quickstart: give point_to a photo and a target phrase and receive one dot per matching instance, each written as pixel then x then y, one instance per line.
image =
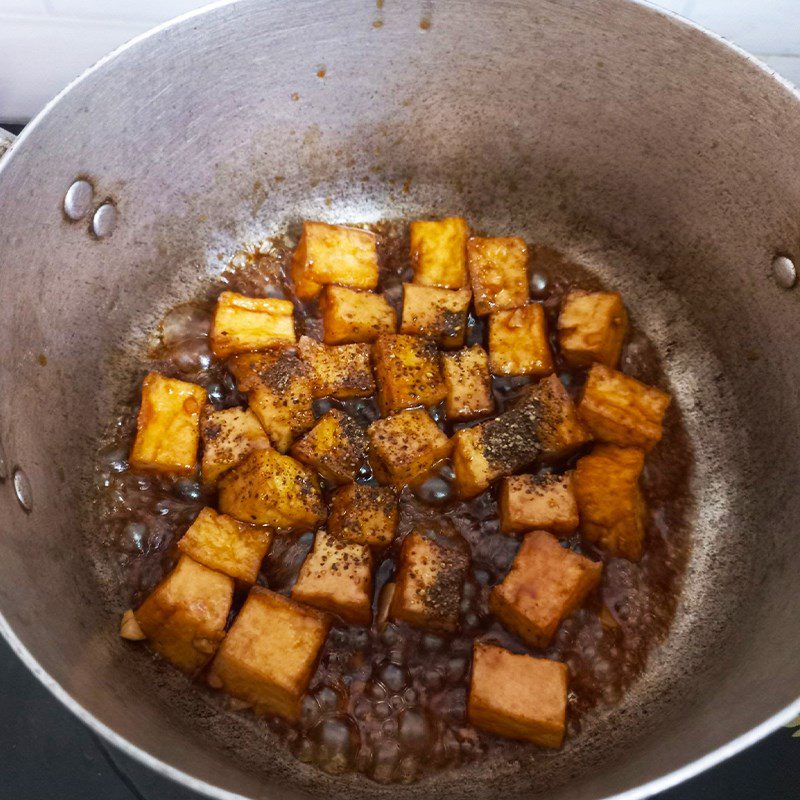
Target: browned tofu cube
pixel 408 372
pixel 228 436
pixel 439 314
pixel 439 252
pixel 337 577
pixel 546 583
pixel 168 426
pixel 268 488
pixel 468 383
pixel 561 432
pixel 620 410
pixel 591 328
pixel 279 391
pixel 184 617
pixel 226 545
pixel 341 371
pixel 610 501
pixel 518 342
pixel 244 324
pixel 336 447
pixel 364 515
pixel 352 316
pixel 429 583
pixel 334 254
pixel 518 696
pixel 270 653
pixel 405 446
pixel 547 503
pixel 498 271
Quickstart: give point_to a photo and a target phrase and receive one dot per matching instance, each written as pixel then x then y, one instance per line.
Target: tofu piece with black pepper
pixel 364 515
pixel 529 502
pixel 518 342
pixel 337 447
pixel 339 371
pixel 228 436
pixel 498 271
pixel 439 314
pixel 591 328
pixel 561 430
pixel 439 252
pixel 468 383
pixel 350 316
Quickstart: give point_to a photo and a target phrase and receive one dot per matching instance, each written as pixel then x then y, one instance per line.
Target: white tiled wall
pixel 46 43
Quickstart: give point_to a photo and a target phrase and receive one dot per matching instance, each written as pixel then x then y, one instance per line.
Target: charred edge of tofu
pixel 513 440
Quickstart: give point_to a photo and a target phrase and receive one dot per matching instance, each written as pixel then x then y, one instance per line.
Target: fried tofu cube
pixel 498 271
pixel 530 503
pixel 406 446
pixel 518 696
pixel 226 545
pixel 341 371
pixel 270 653
pixel 168 426
pixel 334 254
pixel 561 431
pixel 610 500
pixel 518 342
pixel 429 583
pixel 228 436
pixel 439 314
pixel 620 410
pixel 364 515
pixel 408 372
pixel 351 316
pixel 336 576
pixel 591 328
pixel 439 252
pixel 184 617
pixel 546 583
pixel 244 324
pixel 279 391
pixel 336 447
pixel 468 383
pixel 268 488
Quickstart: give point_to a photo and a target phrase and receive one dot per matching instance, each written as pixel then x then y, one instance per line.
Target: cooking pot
pixel 653 153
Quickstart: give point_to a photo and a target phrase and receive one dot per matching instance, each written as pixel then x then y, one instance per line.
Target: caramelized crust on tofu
pixel 268 488
pixel 337 577
pixel 351 316
pixel 341 371
pixel 364 515
pixel 184 616
pixel 429 583
pixel 468 383
pixel 243 324
pixel 226 545
pixel 438 252
pixel 228 436
pixel 611 504
pixel 439 314
pixel 618 409
pixel 527 503
pixel 336 447
pixel 546 584
pixel 518 342
pixel 592 327
pixel 270 653
pixel 518 696
pixel 168 426
pixel 561 432
pixel 498 271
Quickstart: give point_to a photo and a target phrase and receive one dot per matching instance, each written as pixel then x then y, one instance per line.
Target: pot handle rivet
pixel 22 490
pixel 78 200
pixel 784 272
pixel 104 220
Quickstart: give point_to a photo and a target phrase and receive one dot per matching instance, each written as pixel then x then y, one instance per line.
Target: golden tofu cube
pixel 408 372
pixel 561 431
pixel 364 515
pixel 429 584
pixel 352 316
pixel 439 252
pixel 518 696
pixel 341 371
pixel 439 314
pixel 518 342
pixel 612 508
pixel 279 391
pixel 270 653
pixel 226 545
pixel 228 436
pixel 592 327
pixel 184 616
pixel 530 503
pixel 336 576
pixel 546 583
pixel 468 383
pixel 406 446
pixel 336 447
pixel 243 324
pixel 268 488
pixel 620 410
pixel 498 271
pixel 473 467
pixel 168 426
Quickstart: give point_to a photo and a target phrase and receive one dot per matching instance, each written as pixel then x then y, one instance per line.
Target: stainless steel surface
pixel 658 156
pixel 784 271
pixel 78 200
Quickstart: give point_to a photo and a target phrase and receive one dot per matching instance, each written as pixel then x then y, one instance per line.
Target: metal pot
pixel 643 147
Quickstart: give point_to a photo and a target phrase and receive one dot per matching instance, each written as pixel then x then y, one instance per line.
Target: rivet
pixel 22 489
pixel 104 221
pixel 784 272
pixel 78 199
